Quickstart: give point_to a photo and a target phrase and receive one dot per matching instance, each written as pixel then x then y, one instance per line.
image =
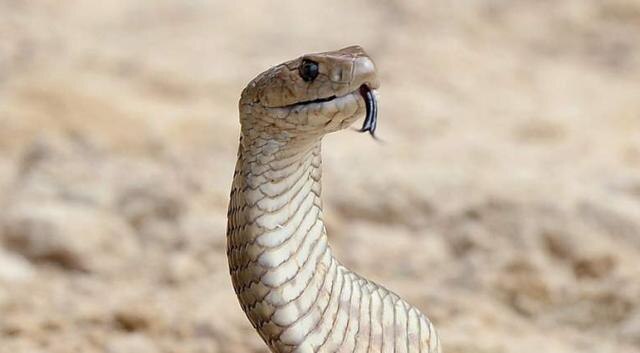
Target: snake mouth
pixel 318 100
pixel 371 104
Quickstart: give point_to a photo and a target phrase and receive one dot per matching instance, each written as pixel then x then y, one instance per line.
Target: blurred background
pixel 505 202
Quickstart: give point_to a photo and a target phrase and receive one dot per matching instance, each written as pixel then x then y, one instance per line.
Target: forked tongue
pixel 371 119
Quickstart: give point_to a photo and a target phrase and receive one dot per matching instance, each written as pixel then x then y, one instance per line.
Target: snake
pixel 296 294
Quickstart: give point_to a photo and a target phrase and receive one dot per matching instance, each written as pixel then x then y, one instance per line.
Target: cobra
pixel 295 293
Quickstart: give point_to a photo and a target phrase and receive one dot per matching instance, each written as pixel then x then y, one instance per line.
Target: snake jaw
pixel 371 104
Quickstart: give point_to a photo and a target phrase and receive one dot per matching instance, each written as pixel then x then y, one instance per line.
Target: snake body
pixel 295 293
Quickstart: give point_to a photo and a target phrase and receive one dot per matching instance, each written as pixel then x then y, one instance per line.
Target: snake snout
pixel 364 70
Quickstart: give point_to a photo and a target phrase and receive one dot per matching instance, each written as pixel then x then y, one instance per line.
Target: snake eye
pixel 308 70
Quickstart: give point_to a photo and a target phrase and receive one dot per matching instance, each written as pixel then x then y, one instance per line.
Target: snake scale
pixel 295 293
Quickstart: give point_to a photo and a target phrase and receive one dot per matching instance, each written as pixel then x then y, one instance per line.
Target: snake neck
pixel 279 183
pixel 294 292
pixel 276 239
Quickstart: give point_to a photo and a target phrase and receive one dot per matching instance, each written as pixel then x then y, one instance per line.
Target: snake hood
pixel 312 95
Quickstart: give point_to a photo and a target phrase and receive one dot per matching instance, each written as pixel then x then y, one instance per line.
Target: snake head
pixel 312 95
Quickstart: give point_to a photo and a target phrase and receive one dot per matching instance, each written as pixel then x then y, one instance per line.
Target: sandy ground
pixel 505 201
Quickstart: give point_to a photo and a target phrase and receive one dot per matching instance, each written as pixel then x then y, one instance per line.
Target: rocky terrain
pixel 504 201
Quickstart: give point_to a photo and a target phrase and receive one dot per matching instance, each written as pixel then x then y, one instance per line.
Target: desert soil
pixel 504 201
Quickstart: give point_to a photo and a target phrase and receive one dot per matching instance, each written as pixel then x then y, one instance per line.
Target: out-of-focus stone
pixel 144 203
pixel 73 237
pixel 630 330
pixel 182 267
pixel 133 318
pixel 132 343
pixel 154 210
pixel 558 245
pixel 594 266
pixel 199 345
pixel 204 231
pixel 14 268
pixel 523 288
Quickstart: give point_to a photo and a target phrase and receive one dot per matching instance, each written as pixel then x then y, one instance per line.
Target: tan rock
pixel 131 343
pixel 14 267
pixel 71 236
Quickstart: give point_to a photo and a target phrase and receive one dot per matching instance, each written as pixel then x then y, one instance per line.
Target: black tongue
pixel 371 119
